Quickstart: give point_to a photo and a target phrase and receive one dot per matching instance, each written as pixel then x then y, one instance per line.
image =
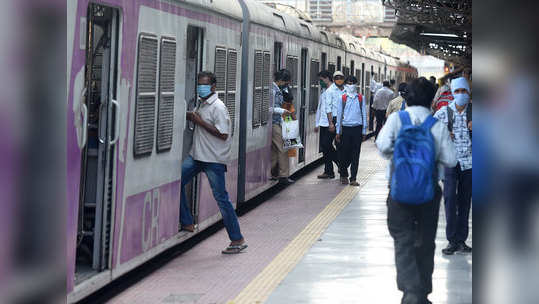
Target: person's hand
pixel 338 138
pixel 286 111
pixel 189 116
pixel 452 135
pixel 194 117
pixel 470 125
pixel 315 129
pixel 331 128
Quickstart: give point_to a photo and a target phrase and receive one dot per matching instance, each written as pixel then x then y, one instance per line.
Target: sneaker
pixel 463 248
pixel 354 183
pixel 273 178
pixel 189 228
pixel 325 176
pixel 285 181
pixel 451 249
pixel 344 180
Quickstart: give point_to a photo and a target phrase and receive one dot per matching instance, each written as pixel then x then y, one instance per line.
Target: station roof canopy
pixel 441 28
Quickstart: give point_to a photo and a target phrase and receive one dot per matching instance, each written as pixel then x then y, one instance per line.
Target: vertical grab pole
pixel 243 101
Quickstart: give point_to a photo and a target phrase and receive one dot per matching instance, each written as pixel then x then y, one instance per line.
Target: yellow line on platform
pixel 262 285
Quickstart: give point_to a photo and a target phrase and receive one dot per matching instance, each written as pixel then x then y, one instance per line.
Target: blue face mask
pixel 204 90
pixel 461 99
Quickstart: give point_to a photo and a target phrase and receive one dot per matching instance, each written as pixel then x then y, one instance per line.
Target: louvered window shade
pixel 313 102
pixel 231 76
pixel 257 91
pixel 220 73
pixel 358 77
pixel 331 68
pixel 165 116
pixel 146 95
pixel 292 66
pixel 266 83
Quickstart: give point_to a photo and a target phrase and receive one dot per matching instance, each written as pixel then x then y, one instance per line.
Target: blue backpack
pixel 414 165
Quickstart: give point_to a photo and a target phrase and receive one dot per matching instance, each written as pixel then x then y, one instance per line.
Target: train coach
pixel 132 68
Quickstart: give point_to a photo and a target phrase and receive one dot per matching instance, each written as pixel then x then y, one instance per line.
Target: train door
pixel 194 64
pixel 98 165
pixel 301 154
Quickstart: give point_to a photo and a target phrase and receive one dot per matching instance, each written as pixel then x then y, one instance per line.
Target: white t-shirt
pixel 207 147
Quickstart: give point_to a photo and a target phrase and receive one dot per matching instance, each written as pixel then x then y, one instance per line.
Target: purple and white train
pixel 132 67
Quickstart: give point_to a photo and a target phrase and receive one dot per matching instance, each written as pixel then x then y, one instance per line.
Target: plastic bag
pixel 291 138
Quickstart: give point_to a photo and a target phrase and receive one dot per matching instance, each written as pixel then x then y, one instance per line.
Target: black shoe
pixel 451 249
pixel 285 181
pixel 326 176
pixel 463 248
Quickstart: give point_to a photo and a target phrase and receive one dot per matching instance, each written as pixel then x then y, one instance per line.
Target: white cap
pixel 338 73
pixel 459 83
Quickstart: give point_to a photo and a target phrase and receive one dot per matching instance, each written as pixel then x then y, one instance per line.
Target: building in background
pixel 321 10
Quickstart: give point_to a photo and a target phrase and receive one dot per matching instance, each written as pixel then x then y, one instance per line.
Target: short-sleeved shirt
pixel 277 103
pixel 462 141
pixel 333 99
pixel 207 147
pixel 382 98
pixel 321 117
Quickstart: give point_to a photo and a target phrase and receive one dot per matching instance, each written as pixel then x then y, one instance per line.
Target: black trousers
pixel 349 151
pixel 328 150
pixel 371 113
pixel 457 200
pixel 413 229
pixel 380 121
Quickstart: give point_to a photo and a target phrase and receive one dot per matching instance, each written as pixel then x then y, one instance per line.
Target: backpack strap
pixel 405 118
pixel 403 105
pixel 449 119
pixel 428 123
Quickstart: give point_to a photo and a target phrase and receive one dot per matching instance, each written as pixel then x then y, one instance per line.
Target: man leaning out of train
pixel 414 202
pixel 279 156
pixel 210 153
pixel 351 130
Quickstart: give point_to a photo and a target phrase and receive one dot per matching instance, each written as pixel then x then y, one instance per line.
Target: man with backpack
pixel 351 129
pixel 419 147
pixel 457 116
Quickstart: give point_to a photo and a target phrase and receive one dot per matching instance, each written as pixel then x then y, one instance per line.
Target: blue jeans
pixel 216 175
pixel 458 198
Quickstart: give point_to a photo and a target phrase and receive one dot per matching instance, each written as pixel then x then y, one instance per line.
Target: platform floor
pixel 314 242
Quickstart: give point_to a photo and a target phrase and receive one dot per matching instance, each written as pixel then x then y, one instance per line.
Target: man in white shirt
pixel 323 120
pixel 210 153
pixel 413 227
pixel 381 101
pixel 373 87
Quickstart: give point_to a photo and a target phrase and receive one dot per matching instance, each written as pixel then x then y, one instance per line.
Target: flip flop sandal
pixel 234 249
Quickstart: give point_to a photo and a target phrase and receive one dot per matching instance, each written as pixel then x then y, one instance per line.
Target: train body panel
pixel 132 69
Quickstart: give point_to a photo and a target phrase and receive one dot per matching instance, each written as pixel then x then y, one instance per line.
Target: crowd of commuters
pixel 417 116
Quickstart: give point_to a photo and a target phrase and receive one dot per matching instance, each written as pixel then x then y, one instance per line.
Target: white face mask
pixel 350 89
pixel 461 99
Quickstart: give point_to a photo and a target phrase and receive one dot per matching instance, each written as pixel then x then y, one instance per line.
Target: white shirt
pixel 321 115
pixel 445 149
pixel 333 99
pixel 382 98
pixel 374 86
pixel 463 142
pixel 207 147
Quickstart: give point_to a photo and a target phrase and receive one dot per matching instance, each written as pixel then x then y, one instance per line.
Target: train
pixel 132 67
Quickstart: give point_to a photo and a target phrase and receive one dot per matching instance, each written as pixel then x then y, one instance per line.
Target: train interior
pixel 194 64
pixel 96 190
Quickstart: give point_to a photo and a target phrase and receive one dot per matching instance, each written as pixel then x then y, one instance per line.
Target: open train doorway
pixel 193 65
pixel 302 116
pixel 97 172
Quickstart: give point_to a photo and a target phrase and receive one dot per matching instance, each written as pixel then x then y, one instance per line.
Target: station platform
pixel 315 241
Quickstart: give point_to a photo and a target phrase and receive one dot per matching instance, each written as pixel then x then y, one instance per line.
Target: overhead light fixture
pixel 439 35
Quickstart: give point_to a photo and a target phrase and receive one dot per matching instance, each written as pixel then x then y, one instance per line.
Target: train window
pixel 358 77
pixel 352 67
pixel 146 95
pixel 346 71
pixel 313 103
pixel 257 89
pixel 292 65
pixel 277 53
pixel 324 61
pixel 231 76
pixel 339 63
pixel 220 73
pixel 266 86
pixel 165 116
pixel 331 68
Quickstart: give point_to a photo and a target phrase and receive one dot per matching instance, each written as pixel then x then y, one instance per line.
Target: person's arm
pixel 387 136
pixel 329 109
pixel 339 117
pixel 364 114
pixel 194 117
pixel 447 152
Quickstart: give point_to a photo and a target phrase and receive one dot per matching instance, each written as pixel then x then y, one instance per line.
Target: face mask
pixel 323 85
pixel 461 99
pixel 350 89
pixel 282 87
pixel 339 82
pixel 204 90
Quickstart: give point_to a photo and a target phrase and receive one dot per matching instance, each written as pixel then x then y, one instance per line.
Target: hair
pixel 351 79
pixel 392 82
pixel 326 74
pixel 287 96
pixel 208 74
pixel 282 75
pixel 372 73
pixel 402 86
pixel 420 92
pixel 386 83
